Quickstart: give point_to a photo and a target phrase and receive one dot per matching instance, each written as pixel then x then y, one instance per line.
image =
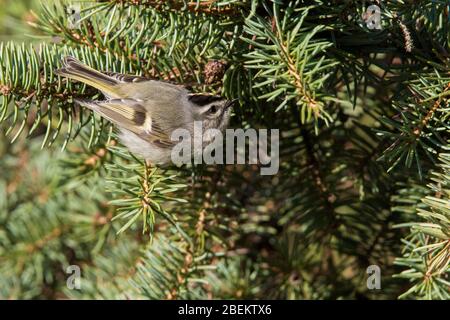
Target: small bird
pixel 148 111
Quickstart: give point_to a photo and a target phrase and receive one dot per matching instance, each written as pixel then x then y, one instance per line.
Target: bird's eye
pixel 212 109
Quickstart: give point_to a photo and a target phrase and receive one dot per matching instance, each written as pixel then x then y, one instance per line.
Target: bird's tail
pixel 76 70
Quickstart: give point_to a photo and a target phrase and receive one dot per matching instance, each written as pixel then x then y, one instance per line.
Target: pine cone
pixel 214 71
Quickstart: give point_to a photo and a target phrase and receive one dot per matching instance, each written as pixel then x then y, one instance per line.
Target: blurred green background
pixel 14 18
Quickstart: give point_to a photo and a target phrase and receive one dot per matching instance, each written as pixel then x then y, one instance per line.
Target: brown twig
pixel 203 6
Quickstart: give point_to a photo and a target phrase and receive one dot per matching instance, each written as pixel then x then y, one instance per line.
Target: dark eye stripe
pixel 203 99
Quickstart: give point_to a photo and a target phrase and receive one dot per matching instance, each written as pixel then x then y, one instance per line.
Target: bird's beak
pixel 231 103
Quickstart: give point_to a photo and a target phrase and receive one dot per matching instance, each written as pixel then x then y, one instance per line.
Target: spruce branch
pixel 420 127
pixel 140 189
pixel 36 97
pixel 426 254
pixel 213 7
pixel 283 60
pixel 169 270
pixel 174 38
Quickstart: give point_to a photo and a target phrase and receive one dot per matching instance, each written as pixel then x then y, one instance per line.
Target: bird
pixel 148 111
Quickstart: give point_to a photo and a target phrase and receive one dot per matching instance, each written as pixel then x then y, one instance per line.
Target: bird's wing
pixel 130 114
pixel 125 78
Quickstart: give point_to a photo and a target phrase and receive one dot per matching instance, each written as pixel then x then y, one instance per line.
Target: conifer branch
pixel 213 7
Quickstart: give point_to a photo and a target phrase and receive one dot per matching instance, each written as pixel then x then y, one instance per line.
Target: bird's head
pixel 213 111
